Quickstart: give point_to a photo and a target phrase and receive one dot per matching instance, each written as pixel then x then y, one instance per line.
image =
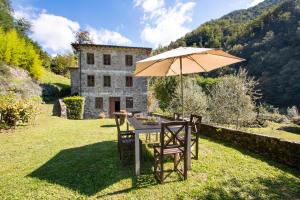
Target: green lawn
pixel 66 159
pixel 286 131
pixel 52 78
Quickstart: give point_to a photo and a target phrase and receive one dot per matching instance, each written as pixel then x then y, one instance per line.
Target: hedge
pixel 75 107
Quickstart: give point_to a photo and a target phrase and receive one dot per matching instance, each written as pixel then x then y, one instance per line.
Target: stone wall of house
pixel 286 152
pixel 74 72
pixel 118 72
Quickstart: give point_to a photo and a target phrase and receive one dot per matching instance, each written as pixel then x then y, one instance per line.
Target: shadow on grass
pixel 90 169
pixel 291 129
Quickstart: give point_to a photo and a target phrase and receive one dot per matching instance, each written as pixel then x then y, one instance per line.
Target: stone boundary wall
pixel 283 151
pixel 287 152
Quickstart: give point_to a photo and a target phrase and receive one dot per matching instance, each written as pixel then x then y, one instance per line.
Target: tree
pixel 23 26
pixel 83 37
pixel 194 99
pixel 164 89
pixel 16 51
pixel 232 100
pixel 61 63
pixel 6 19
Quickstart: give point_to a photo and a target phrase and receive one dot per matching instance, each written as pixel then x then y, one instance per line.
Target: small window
pixel 99 103
pixel 91 80
pixel 90 58
pixel 129 102
pixel 106 59
pixel 128 59
pixel 128 81
pixel 107 82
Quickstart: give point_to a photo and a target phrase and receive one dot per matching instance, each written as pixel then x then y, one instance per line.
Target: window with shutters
pixel 90 58
pixel 129 102
pixel 106 59
pixel 99 103
pixel 128 59
pixel 107 81
pixel 91 80
pixel 128 81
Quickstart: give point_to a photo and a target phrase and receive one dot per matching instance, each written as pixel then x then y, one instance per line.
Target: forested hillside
pixel 268 36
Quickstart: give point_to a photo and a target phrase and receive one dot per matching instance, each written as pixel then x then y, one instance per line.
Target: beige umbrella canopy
pixel 184 60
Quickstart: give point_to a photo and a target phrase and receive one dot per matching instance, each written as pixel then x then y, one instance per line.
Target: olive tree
pixel 194 99
pixel 232 100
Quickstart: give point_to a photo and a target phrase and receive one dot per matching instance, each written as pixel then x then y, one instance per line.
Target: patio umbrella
pixel 184 60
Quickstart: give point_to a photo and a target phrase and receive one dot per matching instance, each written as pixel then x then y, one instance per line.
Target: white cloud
pixel 254 2
pixel 163 25
pixel 149 5
pixel 56 33
pixel 104 36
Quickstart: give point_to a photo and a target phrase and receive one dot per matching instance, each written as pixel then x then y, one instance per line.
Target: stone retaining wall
pixel 283 151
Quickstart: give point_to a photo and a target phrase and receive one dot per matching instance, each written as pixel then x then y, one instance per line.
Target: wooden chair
pixel 171 146
pixel 125 142
pixel 195 122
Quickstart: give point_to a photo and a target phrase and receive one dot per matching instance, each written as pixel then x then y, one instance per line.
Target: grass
pixel 52 78
pixel 285 131
pixel 67 159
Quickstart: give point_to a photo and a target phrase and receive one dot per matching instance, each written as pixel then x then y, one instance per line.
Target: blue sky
pixel 121 22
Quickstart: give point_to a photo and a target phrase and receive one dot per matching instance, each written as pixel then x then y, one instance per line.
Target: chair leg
pixel 185 166
pixel 197 147
pixel 161 170
pixel 175 161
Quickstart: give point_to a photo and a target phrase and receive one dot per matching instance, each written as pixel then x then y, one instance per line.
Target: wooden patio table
pixel 141 128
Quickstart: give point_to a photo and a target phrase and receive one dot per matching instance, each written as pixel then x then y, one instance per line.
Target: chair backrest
pixel 171 134
pixel 195 121
pixel 177 116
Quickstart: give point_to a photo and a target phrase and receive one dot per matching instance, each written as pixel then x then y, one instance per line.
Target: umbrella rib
pixel 150 66
pixel 171 67
pixel 191 58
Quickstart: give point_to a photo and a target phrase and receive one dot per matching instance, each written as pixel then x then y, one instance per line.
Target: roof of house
pixel 77 46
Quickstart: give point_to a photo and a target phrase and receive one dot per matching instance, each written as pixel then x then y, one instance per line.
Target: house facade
pixel 104 76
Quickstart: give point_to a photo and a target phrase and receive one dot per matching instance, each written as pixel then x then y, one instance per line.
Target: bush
pixel 269 113
pixel 75 107
pixel 292 113
pixel 15 110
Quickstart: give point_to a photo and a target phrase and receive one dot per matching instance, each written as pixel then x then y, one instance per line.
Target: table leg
pixel 189 149
pixel 137 154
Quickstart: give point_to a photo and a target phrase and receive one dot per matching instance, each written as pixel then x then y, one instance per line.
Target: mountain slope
pixel 271 44
pixel 268 36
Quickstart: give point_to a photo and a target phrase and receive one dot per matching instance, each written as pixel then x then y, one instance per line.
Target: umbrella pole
pixel 181 85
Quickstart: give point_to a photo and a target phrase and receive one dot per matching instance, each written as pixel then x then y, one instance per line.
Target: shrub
pixel 75 107
pixel 15 110
pixel 269 113
pixel 292 113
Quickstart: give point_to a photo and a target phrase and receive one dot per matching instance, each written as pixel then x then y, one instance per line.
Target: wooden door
pixel 114 103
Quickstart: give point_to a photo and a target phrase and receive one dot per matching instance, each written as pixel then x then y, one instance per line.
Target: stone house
pixel 104 76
